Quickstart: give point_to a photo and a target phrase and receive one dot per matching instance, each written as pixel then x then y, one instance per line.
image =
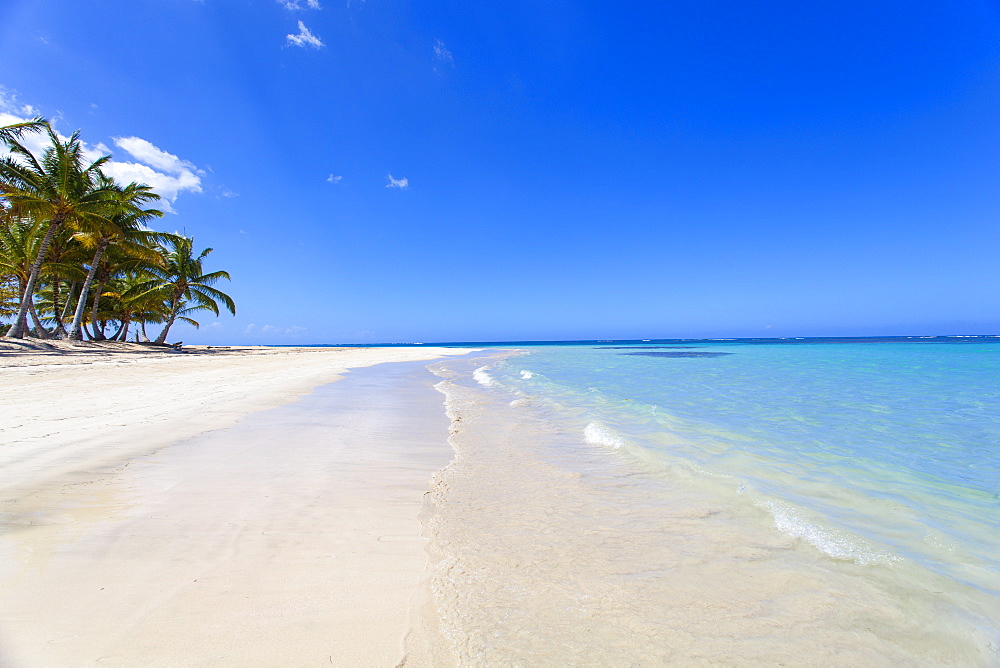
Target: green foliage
pixel 9 296
pixel 183 283
pixel 79 242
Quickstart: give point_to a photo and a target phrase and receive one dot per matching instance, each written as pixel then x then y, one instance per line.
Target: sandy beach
pixel 211 508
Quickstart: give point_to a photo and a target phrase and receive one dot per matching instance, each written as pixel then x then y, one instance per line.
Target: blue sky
pixel 383 170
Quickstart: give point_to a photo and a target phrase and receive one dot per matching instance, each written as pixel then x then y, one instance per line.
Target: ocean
pixel 806 501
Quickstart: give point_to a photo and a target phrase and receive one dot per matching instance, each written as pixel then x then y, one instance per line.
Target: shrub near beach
pixel 77 259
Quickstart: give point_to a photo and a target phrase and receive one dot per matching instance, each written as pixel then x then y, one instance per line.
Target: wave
pixel 483 378
pixel 596 433
pixel 831 542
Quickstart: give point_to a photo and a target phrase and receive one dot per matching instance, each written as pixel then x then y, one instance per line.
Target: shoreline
pixel 551 546
pixel 124 474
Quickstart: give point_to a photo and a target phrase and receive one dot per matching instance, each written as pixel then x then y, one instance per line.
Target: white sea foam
pixel 483 378
pixel 526 374
pixel 596 433
pixel 831 542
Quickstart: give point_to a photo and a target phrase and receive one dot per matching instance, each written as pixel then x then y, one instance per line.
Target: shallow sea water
pixel 805 505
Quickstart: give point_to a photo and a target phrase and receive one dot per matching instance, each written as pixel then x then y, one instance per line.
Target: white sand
pixel 130 536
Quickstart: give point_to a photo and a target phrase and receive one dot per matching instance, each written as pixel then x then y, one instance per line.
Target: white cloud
pixel 334 179
pixel 167 174
pixel 442 54
pixel 164 172
pixel 33 141
pixel 144 151
pixel 167 186
pixel 313 4
pixel 304 38
pixel 402 183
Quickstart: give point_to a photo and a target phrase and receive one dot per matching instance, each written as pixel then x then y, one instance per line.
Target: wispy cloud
pixel 402 183
pixel 255 330
pixel 334 179
pixel 304 38
pixel 9 104
pixel 442 55
pixel 293 5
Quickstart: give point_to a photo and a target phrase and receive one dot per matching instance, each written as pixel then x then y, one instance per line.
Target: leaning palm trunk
pixel 40 330
pixel 60 328
pixel 76 329
pixel 123 334
pixel 98 331
pixel 174 307
pixel 20 322
pixel 71 289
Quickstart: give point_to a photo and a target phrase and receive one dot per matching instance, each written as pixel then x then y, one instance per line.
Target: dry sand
pixel 153 511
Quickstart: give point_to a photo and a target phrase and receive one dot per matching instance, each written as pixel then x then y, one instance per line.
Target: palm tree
pixel 183 284
pixel 16 130
pixel 65 269
pixel 60 189
pixel 19 242
pixel 127 231
pixel 115 263
pixel 18 246
pixel 131 306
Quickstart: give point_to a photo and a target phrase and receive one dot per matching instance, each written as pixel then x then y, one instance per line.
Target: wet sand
pixel 215 509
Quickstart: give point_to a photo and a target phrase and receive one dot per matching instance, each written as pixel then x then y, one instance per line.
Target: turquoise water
pixel 871 452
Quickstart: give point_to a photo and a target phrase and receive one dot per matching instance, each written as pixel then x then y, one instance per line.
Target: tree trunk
pixel 59 330
pixel 71 289
pixel 40 330
pixel 75 330
pixel 20 322
pixel 125 325
pixel 145 336
pixel 98 333
pixel 174 305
